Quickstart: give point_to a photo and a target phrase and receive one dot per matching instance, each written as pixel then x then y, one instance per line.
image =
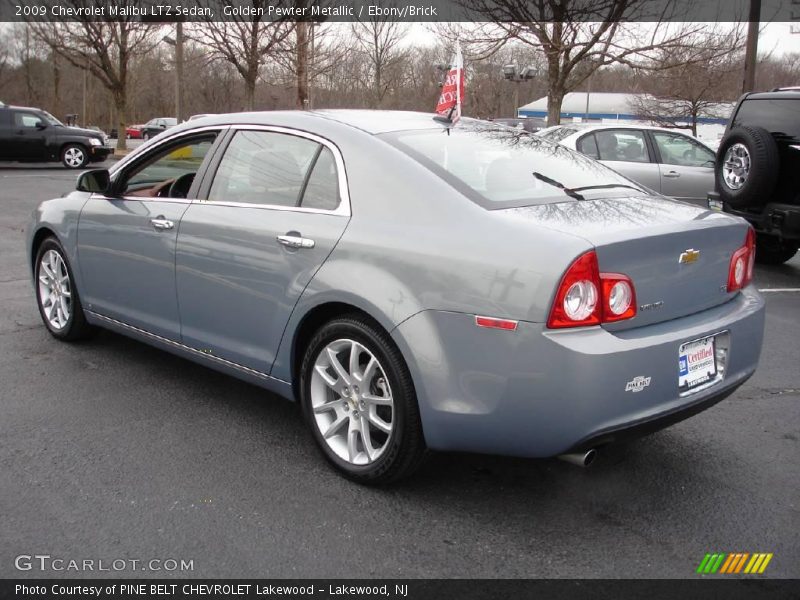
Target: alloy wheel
pixel 74 157
pixel 352 405
pixel 55 289
pixel 736 166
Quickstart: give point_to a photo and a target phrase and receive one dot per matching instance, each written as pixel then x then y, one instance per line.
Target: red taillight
pixel 740 272
pixel 587 297
pixel 619 297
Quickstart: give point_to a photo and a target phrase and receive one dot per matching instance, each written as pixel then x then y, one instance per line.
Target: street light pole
pixel 513 74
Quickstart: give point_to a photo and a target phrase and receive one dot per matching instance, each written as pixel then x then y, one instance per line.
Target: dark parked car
pixel 34 135
pixel 758 171
pixel 155 126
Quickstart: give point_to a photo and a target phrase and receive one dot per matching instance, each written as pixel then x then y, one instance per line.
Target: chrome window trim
pixel 343 209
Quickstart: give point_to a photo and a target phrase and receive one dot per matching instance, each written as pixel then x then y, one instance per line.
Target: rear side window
pixel 276 169
pixel 778 116
pixel 322 188
pixel 626 145
pixel 263 167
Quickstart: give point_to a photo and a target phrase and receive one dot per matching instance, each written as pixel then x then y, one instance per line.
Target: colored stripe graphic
pixel 741 562
pixel 734 562
pixel 731 560
pixel 703 563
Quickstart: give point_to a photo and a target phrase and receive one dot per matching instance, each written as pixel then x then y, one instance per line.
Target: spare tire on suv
pixel 747 166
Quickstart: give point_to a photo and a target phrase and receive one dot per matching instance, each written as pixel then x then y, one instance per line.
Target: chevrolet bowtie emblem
pixel 689 256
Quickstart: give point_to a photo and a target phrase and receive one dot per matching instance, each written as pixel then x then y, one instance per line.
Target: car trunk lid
pixel 677 255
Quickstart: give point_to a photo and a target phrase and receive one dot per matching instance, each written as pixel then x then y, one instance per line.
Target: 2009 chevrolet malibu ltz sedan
pixel 414 284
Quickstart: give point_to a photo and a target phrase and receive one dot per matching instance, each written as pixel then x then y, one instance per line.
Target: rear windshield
pixel 499 167
pixel 776 115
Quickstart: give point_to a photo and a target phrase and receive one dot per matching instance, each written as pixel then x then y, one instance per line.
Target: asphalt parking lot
pixel 112 450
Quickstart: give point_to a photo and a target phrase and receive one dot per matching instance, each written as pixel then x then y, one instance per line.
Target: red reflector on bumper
pixel 493 323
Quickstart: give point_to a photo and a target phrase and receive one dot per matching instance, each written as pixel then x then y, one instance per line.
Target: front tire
pixel 771 250
pixel 74 156
pixel 56 295
pixel 145 136
pixel 358 399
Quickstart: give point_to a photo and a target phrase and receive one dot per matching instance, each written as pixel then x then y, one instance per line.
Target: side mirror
pixel 96 180
pixel 41 125
pixel 163 126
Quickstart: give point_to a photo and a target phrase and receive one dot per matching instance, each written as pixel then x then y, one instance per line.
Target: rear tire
pixel 771 250
pixel 747 167
pixel 359 402
pixel 56 295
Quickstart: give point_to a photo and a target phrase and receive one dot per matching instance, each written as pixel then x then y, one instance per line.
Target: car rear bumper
pixel 782 220
pixel 538 392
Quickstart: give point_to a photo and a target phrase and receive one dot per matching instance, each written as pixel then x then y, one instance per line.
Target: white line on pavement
pixel 779 290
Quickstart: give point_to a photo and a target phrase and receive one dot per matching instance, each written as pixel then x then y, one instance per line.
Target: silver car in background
pixel 666 161
pixel 412 283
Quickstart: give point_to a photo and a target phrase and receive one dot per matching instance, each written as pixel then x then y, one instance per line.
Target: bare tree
pixel 246 42
pixel 688 84
pixel 578 37
pixel 379 41
pixel 104 48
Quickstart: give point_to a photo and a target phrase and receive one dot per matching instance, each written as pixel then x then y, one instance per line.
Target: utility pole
pixel 179 71
pixel 751 49
pixel 177 43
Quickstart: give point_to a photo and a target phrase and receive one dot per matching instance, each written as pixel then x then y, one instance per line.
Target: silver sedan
pixel 667 161
pixel 413 284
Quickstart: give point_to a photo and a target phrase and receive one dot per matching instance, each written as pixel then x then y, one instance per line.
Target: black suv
pixel 34 135
pixel 758 171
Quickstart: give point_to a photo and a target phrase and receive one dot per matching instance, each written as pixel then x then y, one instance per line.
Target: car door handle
pixel 672 174
pixel 295 241
pixel 161 223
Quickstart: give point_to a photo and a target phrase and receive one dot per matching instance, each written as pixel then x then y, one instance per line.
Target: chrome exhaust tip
pixel 581 459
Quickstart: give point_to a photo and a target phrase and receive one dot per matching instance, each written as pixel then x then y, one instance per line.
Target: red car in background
pixel 134 132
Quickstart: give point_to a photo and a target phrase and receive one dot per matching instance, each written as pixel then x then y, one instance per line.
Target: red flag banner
pixel 452 96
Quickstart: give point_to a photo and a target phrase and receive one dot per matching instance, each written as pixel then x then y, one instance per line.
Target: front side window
pixel 277 169
pixel 622 145
pixel 676 149
pixel 588 145
pixel 27 119
pixel 503 168
pixel 169 172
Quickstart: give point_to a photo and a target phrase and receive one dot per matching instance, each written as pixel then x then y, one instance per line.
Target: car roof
pixel 370 121
pixel 22 107
pixel 792 93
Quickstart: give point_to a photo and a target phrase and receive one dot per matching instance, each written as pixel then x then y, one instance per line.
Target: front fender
pixel 59 216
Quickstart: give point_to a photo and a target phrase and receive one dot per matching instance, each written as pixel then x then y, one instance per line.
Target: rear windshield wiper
pixel 557 184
